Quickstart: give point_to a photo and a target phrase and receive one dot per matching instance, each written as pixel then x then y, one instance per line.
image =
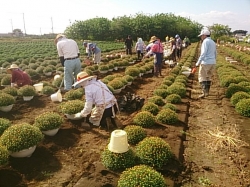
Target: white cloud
pixel 233 20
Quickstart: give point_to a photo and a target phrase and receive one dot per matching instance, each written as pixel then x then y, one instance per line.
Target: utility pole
pixel 24 25
pixel 52 25
pixel 40 31
pixel 11 25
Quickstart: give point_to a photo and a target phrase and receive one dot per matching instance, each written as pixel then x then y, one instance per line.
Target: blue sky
pixel 39 17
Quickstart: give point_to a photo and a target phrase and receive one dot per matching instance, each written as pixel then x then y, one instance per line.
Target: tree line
pixel 139 25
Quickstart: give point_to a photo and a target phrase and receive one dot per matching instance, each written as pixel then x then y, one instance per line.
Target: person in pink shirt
pixel 157 51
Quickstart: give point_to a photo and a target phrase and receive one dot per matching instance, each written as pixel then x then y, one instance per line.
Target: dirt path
pixel 209 159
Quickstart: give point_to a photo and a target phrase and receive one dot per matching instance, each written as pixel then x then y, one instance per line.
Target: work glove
pixel 78 115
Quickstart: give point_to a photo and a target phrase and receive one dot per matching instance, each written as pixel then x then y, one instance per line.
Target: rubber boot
pixel 208 83
pixel 203 87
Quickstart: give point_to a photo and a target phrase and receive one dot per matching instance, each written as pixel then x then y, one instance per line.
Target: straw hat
pixel 57 37
pixel 13 66
pixel 152 39
pixel 82 77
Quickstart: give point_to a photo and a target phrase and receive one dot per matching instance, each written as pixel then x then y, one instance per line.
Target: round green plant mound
pixel 4 156
pixel 153 151
pixel 158 100
pixel 27 90
pixel 6 99
pixel 173 98
pixel 135 134
pixel 132 71
pixel 167 116
pixel 21 136
pixel 72 106
pixel 6 80
pixel 117 161
pixel 151 107
pixel 141 175
pixel 144 119
pixel 4 124
pixel 116 84
pixel 58 82
pixel 11 90
pixel 236 97
pixel 48 90
pixel 233 88
pixel 74 94
pixel 242 107
pixel 177 89
pixel 170 106
pixel 167 82
pixel 48 121
pixel 161 92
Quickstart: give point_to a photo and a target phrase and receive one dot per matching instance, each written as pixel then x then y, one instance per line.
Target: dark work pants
pixel 108 114
pixel 129 50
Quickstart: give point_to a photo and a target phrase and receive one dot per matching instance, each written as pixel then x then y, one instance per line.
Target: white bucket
pixel 56 97
pixel 56 77
pixel 187 73
pixel 38 87
pixel 118 142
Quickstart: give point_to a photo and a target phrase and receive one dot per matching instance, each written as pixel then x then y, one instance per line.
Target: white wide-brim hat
pixel 82 77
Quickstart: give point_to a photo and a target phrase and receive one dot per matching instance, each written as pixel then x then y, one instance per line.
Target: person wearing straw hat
pixel 97 94
pixel 68 53
pixel 206 61
pixel 19 78
pixel 157 51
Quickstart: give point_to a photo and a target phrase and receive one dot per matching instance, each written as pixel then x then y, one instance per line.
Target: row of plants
pixel 237 86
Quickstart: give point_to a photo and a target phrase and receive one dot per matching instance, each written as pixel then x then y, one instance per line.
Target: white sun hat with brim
pixel 82 77
pixel 204 32
pixel 13 66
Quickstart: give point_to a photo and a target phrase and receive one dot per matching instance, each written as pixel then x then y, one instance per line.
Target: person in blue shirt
pixel 92 49
pixel 206 62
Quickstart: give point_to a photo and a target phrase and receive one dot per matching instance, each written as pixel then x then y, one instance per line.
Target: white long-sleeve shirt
pixel 208 52
pixel 95 96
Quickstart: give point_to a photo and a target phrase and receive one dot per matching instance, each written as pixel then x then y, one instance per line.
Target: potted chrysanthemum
pixel 141 175
pixel 4 124
pixel 72 107
pixel 21 139
pixel 6 102
pixel 27 91
pixel 4 156
pixel 49 123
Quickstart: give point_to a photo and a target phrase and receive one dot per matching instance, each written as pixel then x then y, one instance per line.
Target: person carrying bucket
pixel 97 94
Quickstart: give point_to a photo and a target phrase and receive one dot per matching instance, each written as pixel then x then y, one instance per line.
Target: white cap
pixel 204 32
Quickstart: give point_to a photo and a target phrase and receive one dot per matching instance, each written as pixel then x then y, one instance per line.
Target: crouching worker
pixel 19 78
pixel 98 95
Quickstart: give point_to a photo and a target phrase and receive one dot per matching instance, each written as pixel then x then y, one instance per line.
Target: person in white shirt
pixel 97 94
pixel 68 53
pixel 206 62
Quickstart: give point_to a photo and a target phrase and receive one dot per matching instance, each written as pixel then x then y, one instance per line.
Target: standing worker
pixel 97 94
pixel 128 45
pixel 93 49
pixel 68 52
pixel 206 62
pixel 157 51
